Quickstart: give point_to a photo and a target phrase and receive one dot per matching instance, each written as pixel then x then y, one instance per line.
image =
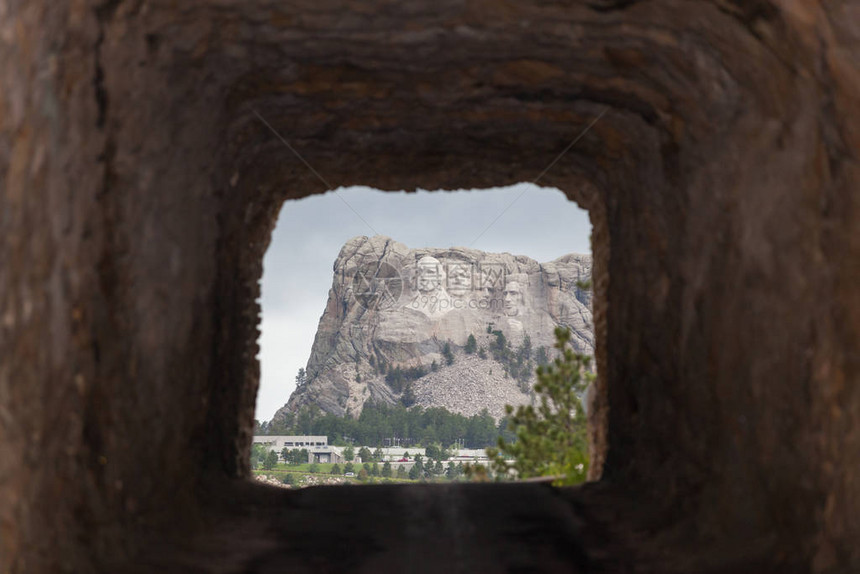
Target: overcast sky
pixel 297 269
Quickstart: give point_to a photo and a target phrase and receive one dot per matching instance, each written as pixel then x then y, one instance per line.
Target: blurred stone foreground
pixel 717 154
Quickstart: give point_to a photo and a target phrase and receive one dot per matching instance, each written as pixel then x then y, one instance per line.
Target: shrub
pixel 471 345
pixel 271 460
pixel 408 399
pixel 448 353
pixel 364 454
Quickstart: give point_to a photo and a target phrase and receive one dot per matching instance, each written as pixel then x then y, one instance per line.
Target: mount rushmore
pixel 398 321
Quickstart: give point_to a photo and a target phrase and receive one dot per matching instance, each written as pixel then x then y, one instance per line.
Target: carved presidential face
pixel 513 298
pixel 429 275
pixel 459 279
pixel 491 280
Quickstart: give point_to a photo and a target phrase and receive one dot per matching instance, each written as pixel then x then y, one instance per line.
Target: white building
pixel 278 442
pixel 317 446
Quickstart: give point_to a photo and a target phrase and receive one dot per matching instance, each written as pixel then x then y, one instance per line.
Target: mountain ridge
pixel 392 311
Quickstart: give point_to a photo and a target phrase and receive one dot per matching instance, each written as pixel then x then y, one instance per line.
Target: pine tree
pixel 542 357
pixel 258 455
pixel 526 349
pixel 432 451
pixel 448 354
pixel 364 454
pixel 471 345
pixel 551 439
pixel 271 460
pixel 408 399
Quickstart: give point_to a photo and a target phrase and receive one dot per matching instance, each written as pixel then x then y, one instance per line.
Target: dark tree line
pixel 295 456
pixel 378 422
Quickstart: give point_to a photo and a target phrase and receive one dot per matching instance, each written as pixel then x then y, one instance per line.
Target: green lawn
pixel 324 468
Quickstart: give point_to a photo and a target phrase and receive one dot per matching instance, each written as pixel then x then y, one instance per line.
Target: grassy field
pixel 324 468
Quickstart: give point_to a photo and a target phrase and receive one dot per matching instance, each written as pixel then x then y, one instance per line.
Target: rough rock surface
pixel 306 480
pixel 138 189
pixel 468 386
pixel 397 307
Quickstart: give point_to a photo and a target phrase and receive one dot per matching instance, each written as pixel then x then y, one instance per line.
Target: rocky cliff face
pixel 397 323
